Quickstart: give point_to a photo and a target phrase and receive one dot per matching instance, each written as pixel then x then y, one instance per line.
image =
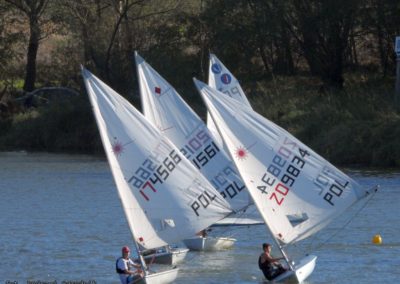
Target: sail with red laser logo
pixel 281 173
pixel 221 79
pixel 164 197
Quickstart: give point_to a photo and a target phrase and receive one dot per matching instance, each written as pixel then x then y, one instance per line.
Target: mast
pixel 127 135
pixel 106 142
pixel 142 261
pixel 289 263
pixel 259 210
pixel 138 77
pixel 164 107
pixel 140 256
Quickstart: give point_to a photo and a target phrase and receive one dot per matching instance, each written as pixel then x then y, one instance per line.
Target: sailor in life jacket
pixel 129 271
pixel 270 266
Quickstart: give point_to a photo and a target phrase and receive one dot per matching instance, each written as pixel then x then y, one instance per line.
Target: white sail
pixel 280 172
pixel 165 108
pixel 220 78
pixel 164 197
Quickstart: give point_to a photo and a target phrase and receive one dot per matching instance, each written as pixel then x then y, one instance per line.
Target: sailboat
pixel 164 197
pixel 221 79
pixel 281 173
pixel 164 107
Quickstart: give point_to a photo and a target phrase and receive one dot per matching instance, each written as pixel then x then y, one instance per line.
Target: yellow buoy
pixel 377 240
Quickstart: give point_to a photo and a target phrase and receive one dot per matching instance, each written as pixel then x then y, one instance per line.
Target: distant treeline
pixel 323 69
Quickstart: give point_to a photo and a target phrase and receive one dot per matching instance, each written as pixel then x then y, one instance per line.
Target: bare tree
pixel 33 10
pixel 382 20
pixel 273 39
pixel 322 30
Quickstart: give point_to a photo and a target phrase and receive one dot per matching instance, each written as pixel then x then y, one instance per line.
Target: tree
pixel 8 40
pixel 33 10
pixel 381 19
pixel 109 31
pixel 228 29
pixel 249 31
pixel 322 29
pixel 272 36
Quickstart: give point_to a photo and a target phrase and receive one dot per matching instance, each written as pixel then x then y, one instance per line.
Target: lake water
pixel 61 220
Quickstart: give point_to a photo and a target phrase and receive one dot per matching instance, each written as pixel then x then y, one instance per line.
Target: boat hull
pixel 301 271
pixel 172 257
pixel 209 243
pixel 163 277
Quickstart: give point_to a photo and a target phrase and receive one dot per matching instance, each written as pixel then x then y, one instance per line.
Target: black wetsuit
pixel 269 270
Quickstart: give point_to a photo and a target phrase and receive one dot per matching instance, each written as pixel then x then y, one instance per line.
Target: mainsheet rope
pixel 368 199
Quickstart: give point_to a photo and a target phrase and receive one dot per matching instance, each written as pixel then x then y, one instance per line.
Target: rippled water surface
pixel 61 219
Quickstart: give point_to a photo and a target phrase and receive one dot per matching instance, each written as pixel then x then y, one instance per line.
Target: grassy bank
pixel 60 126
pixel 356 126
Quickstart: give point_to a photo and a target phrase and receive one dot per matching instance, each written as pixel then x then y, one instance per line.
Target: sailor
pixel 271 267
pixel 202 233
pixel 129 271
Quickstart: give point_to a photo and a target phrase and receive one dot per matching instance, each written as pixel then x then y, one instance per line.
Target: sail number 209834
pixel 281 174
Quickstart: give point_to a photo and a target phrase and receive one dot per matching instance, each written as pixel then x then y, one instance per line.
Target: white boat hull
pixel 172 257
pixel 209 243
pixel 163 277
pixel 235 222
pixel 301 271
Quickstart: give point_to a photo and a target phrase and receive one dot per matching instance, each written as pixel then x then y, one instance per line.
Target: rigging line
pixel 348 222
pixel 373 190
pixel 240 212
pixel 229 229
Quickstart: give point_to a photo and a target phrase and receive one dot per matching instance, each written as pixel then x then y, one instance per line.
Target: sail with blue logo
pixel 221 79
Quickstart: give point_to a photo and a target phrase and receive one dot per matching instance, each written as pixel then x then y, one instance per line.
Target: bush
pixel 357 126
pixel 64 126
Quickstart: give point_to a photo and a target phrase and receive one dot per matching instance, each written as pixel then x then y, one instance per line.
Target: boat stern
pixel 163 277
pixel 305 267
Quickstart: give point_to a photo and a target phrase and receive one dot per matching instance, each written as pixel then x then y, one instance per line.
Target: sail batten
pixel 281 173
pixel 165 198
